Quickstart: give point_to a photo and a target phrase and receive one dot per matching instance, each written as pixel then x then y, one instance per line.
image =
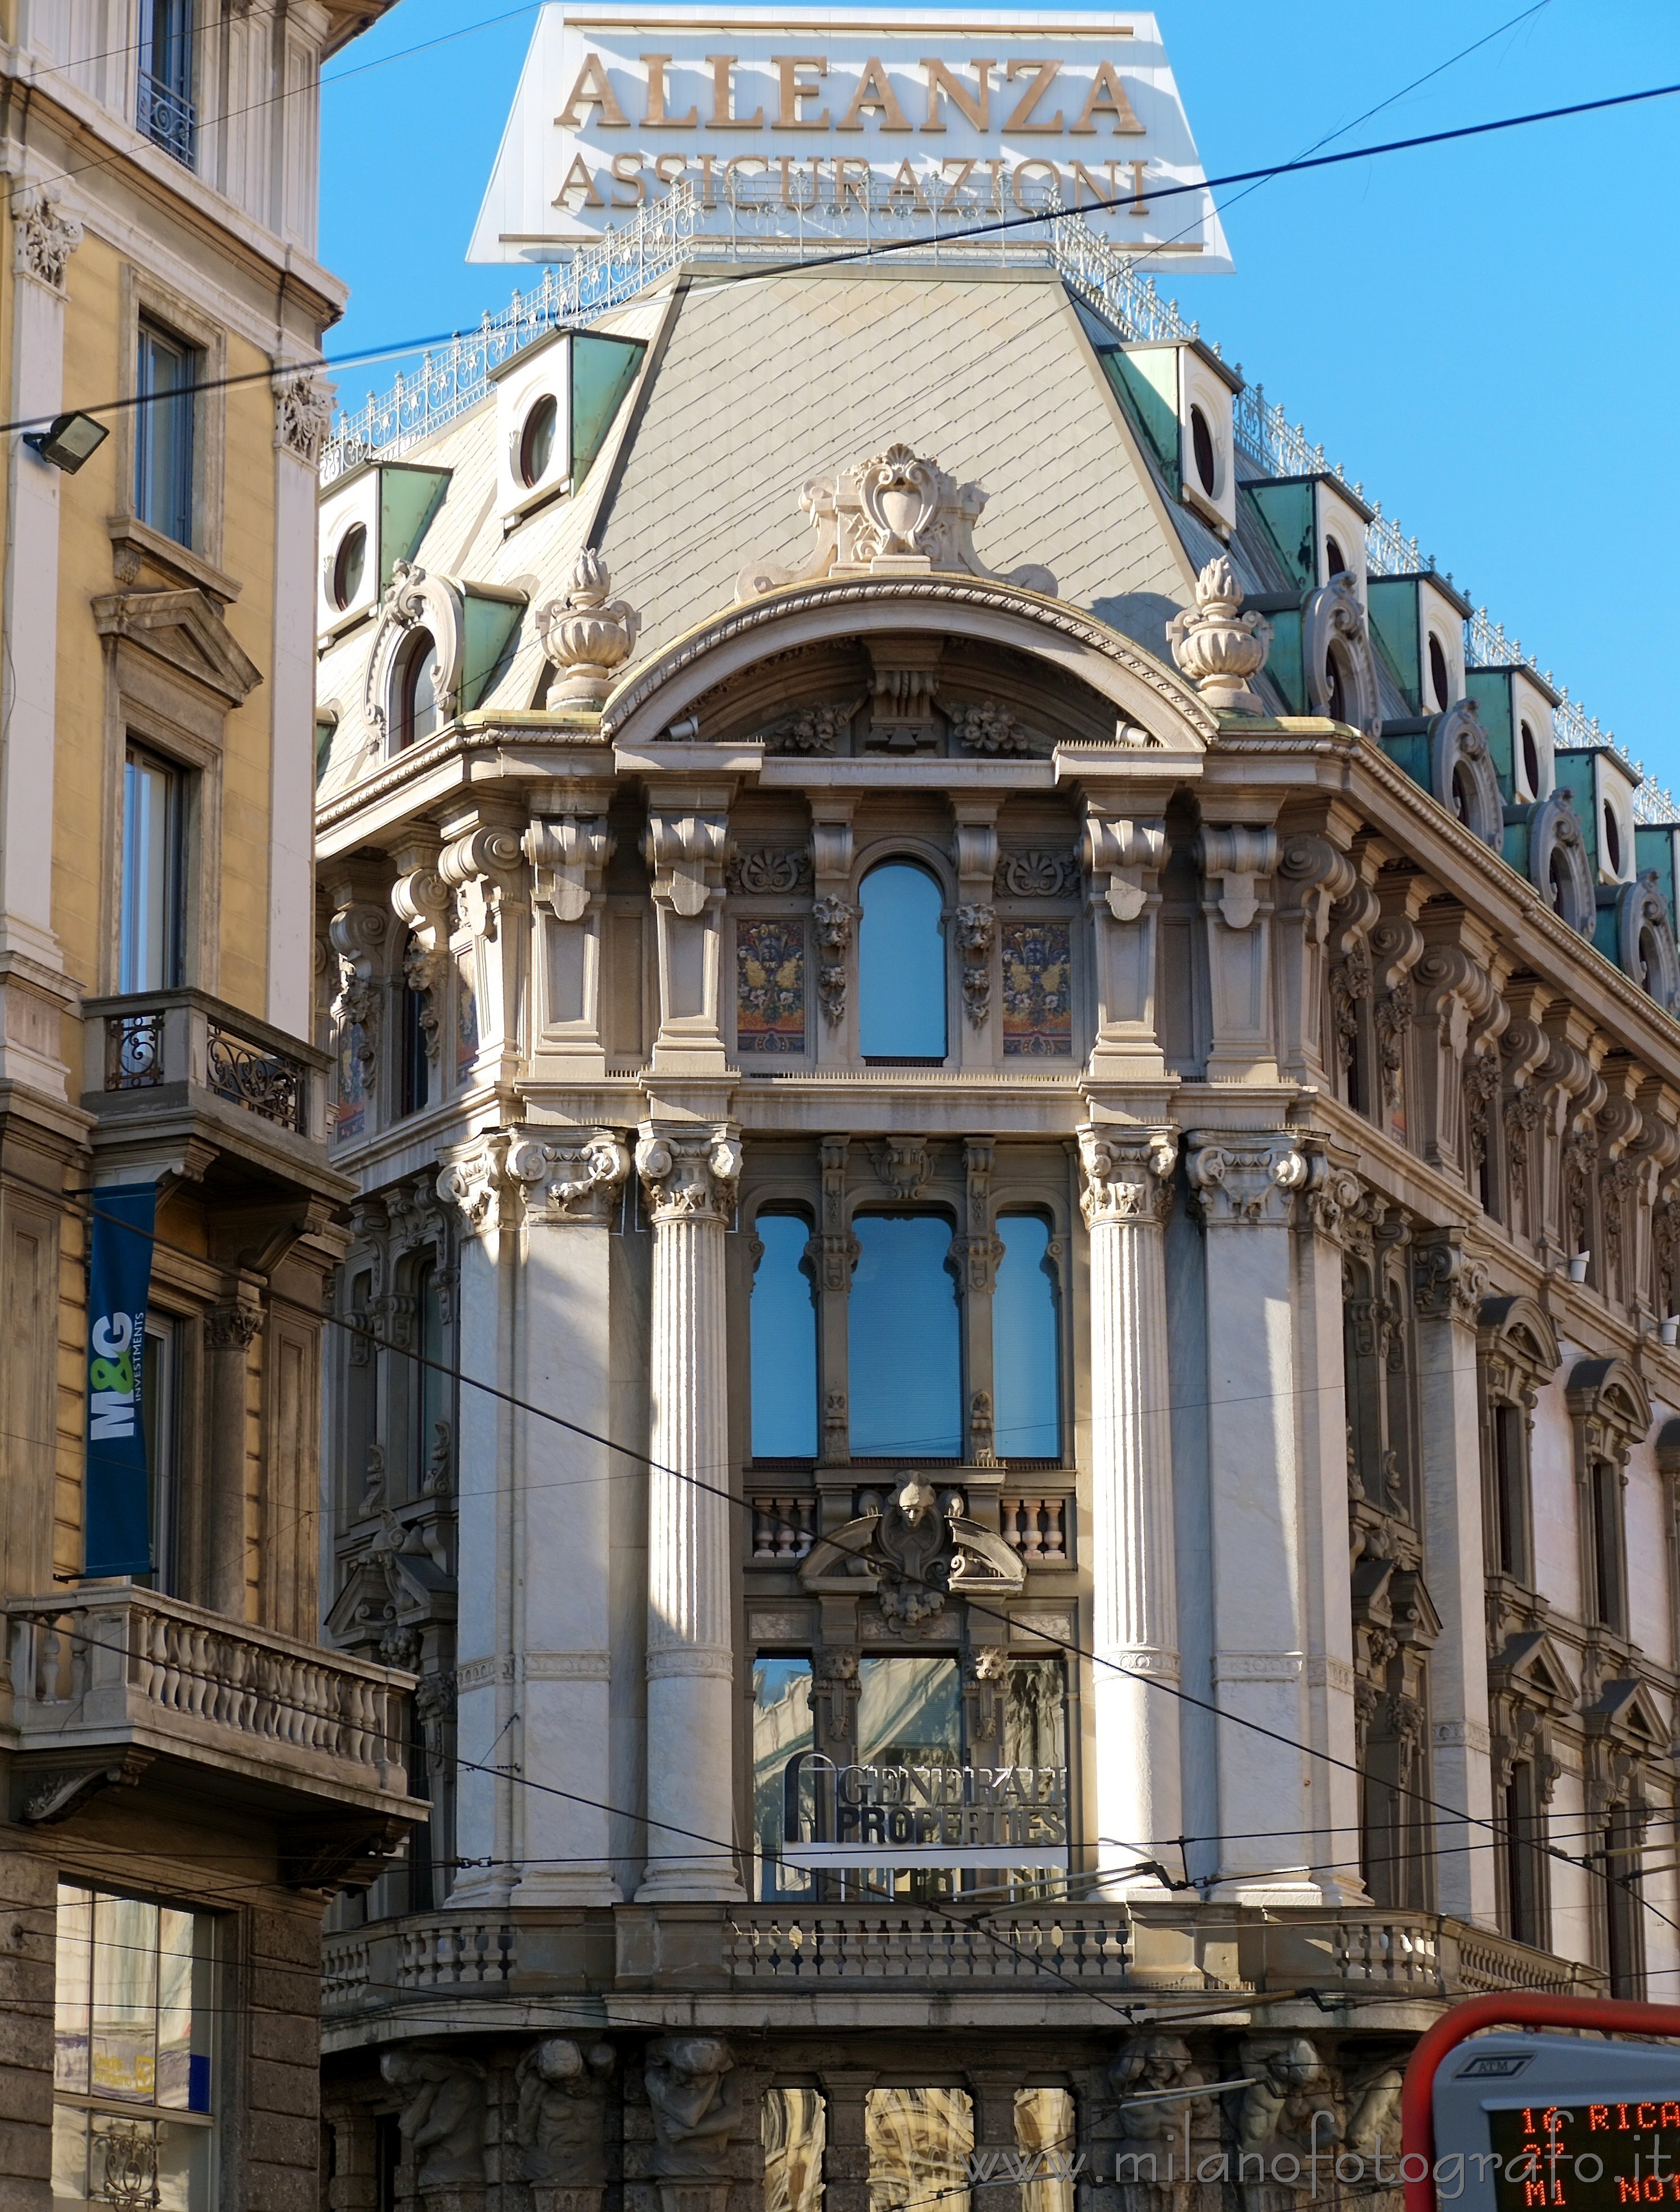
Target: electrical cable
pixel 1452 1815
pixel 880 251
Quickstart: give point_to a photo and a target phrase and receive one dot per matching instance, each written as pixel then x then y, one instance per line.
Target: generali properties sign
pixel 858 126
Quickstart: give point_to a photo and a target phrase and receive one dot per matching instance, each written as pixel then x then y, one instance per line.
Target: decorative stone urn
pixel 1217 647
pixel 588 635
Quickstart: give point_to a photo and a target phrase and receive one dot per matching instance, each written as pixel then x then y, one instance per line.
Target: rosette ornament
pixel 588 635
pixel 1217 647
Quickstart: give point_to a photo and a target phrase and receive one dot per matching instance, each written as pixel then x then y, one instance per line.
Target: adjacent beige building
pixel 185 1772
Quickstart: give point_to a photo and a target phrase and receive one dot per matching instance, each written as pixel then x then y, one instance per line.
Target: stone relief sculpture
pixel 697 2111
pixel 442 2120
pixel 897 513
pixel 560 2125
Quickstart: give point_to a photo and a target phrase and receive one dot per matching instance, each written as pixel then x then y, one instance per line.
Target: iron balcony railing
pixel 149 1042
pixel 168 117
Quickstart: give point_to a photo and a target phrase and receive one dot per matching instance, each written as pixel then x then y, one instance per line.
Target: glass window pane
pixel 909 1713
pixel 1026 1368
pixel 901 965
pixel 781 1729
pixel 904 1354
pixel 784 1342
pixel 919 2142
pixel 176 1966
pixel 73 1969
pixel 432 1441
pixel 1044 2126
pixel 417 711
pixel 123 2041
pixel 793 2136
pixel 149 934
pixel 163 436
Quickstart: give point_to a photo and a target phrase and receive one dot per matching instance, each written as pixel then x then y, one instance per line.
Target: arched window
pixel 783 1336
pixel 417 694
pixel 1026 1364
pixel 1335 560
pixel 1530 759
pixel 1440 682
pixel 905 1353
pixel 1201 446
pixel 901 965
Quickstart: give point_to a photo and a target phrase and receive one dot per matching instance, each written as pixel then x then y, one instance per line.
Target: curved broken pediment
pixel 912 1556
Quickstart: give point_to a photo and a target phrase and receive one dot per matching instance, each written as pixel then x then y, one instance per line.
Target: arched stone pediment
pixel 416 601
pixel 1645 941
pixel 1462 773
pixel 1608 1395
pixel 1519 1330
pixel 1554 834
pixel 1334 643
pixel 1142 693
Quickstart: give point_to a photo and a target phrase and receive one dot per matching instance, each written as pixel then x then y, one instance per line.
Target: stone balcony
pixel 180 1071
pixel 717 1966
pixel 116 1684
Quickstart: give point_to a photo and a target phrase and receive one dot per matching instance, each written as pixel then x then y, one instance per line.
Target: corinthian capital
pixel 1448 1283
pixel 1128 1173
pixel 579 1180
pixel 689 1174
pixel 44 237
pixel 476 1183
pixel 1243 1178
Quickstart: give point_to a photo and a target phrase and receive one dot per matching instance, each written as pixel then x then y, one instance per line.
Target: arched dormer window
pixel 901 989
pixel 415 692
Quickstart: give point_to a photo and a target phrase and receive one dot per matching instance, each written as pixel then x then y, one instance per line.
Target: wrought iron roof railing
pixel 612 270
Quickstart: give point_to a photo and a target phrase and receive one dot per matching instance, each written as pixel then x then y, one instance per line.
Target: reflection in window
pixel 909 1713
pixel 901 965
pixel 1044 2126
pixel 793 2136
pixel 165 371
pixel 781 1728
pixel 920 2142
pixel 904 1355
pixel 416 690
pixel 150 932
pixel 783 1315
pixel 1026 1365
pixel 133 2017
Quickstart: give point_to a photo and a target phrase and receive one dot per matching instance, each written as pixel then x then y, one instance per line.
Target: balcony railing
pixel 118 1665
pixel 153 1039
pixel 1161 1950
pixel 168 117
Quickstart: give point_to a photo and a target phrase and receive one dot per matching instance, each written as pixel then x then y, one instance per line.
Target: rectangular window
pixel 783 1333
pixel 1026 1356
pixel 794 2135
pixel 1624 1944
pixel 921 2142
pixel 165 371
pixel 154 820
pixel 1510 1426
pixel 1605 1504
pixel 770 988
pixel 160 1404
pixel 904 1349
pixel 164 106
pixel 1524 1845
pixel 134 2104
pixel 416 1060
pixel 781 1728
pixel 431 1388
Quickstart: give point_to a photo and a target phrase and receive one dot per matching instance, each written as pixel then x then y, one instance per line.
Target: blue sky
pixel 1484 334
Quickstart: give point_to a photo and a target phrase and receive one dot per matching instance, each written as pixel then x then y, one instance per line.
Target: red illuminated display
pixel 1588 2157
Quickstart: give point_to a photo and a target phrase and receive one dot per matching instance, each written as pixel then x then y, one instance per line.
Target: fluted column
pixel 1128 1190
pixel 1245 1184
pixel 689 1173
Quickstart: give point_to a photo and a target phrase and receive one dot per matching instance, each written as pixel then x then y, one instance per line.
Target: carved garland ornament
pixel 44 237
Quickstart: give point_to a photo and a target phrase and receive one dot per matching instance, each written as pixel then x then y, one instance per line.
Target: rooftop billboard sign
pixel 847 126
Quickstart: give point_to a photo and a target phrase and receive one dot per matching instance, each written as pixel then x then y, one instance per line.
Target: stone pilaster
pixel 1331 1219
pixel 569 850
pixel 1245 1184
pixel 483 863
pixel 230 1330
pixel 1124 856
pixel 686 846
pixel 688 1173
pixel 845 2139
pixel 34 992
pixel 1447 1284
pixel 1127 1176
pixel 1238 862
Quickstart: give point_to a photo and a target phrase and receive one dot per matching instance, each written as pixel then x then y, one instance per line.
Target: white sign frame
pixel 846 127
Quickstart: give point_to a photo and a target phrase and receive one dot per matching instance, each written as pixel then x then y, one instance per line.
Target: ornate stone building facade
pixel 1008 1370
pixel 186 1770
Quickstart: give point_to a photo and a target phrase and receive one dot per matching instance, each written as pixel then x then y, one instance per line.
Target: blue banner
pixel 117 1516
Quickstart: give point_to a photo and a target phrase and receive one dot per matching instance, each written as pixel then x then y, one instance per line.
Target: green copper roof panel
pixel 1490 689
pixel 1285 511
pixel 1147 386
pixel 489 627
pixel 1394 607
pixel 602 371
pixel 409 497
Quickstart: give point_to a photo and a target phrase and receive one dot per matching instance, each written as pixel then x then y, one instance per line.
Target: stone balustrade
pixel 118 1665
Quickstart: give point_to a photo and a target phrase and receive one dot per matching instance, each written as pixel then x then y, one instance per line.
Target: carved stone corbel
pixel 302 415
pixel 1237 861
pixel 687 847
pixel 1313 874
pixel 568 855
pixel 482 867
pixel 357 933
pixel 1124 855
pixel 420 898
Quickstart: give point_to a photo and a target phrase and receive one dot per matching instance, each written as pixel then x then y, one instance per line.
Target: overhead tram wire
pixel 1451 1814
pixel 396 349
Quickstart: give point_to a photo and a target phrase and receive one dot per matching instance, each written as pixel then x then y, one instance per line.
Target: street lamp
pixel 68 440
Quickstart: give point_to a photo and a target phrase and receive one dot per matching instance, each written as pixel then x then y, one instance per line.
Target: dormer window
pixel 416 690
pixel 1201 446
pixel 1531 751
pixel 349 566
pixel 1335 561
pixel 1612 841
pixel 536 441
pixel 1441 682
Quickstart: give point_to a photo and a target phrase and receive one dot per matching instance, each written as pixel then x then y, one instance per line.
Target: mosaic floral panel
pixel 770 986
pixel 1038 989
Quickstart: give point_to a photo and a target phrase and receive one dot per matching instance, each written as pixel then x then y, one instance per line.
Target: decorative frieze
pixel 768 871
pixel 1037 874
